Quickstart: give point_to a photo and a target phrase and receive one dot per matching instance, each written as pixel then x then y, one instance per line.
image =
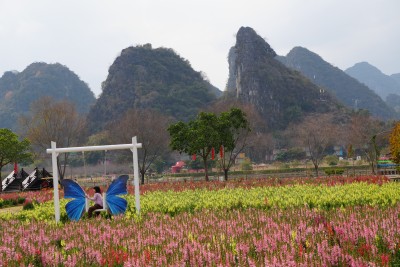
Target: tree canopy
pixel 207 132
pixel 12 149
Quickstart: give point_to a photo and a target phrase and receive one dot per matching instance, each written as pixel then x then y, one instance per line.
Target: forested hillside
pixel 18 90
pixel 143 77
pixel 346 89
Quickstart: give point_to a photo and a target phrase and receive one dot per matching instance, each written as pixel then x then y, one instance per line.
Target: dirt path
pixel 11 209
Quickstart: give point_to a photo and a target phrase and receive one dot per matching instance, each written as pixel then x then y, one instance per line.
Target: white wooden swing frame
pixel 54 151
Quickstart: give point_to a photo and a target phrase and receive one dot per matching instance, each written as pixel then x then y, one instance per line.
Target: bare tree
pixel 366 135
pixel 53 121
pixel 315 134
pixel 260 145
pixel 150 127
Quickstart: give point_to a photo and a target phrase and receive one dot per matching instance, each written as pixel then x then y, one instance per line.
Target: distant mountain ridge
pixel 396 77
pixel 345 88
pixel 143 77
pixel 18 90
pixel 279 93
pixel 382 84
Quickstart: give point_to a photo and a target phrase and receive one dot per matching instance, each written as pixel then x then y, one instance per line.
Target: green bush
pixel 28 206
pixel 20 200
pixel 334 171
pixel 331 160
pixel 246 165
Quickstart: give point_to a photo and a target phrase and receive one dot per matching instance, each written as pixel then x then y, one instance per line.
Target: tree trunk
pixel 142 177
pixel 205 169
pixel 373 167
pixel 316 170
pixel 226 174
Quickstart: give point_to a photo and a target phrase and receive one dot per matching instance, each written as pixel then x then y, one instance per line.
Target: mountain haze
pixel 143 77
pixel 396 77
pixel 18 90
pixel 280 94
pixel 346 89
pixel 371 76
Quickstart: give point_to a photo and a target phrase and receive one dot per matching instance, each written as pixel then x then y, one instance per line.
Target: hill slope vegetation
pixel 19 90
pixel 143 77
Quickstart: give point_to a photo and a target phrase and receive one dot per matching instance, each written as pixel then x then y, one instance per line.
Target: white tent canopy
pixel 54 151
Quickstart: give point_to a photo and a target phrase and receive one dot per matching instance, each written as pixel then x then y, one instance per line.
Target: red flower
pixel 384 259
pixel 147 256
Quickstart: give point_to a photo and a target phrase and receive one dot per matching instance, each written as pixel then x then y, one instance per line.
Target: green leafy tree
pixel 197 136
pixel 98 139
pixel 194 164
pixel 208 131
pixel 233 131
pixel 12 149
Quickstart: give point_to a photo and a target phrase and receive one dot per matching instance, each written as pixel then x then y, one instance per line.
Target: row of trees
pixel 215 129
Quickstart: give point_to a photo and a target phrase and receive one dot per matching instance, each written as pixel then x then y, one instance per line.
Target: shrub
pixel 28 205
pixel 331 160
pixel 334 171
pixel 20 200
pixel 246 165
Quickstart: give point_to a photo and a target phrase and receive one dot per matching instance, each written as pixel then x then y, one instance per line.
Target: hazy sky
pixel 87 35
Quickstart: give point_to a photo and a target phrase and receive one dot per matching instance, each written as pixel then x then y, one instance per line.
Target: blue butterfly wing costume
pixel 75 207
pixel 116 204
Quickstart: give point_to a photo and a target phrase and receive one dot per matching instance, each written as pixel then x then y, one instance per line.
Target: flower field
pixel 342 222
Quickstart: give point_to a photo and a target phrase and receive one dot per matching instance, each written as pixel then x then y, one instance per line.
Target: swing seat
pixel 105 207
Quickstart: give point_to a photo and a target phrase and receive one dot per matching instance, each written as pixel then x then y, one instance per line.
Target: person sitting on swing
pixel 98 201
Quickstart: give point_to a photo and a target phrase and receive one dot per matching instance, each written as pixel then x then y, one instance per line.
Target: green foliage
pixel 246 165
pixel 35 82
pixel 94 157
pixel 142 77
pixel 208 131
pixel 334 171
pixel 28 206
pixel 12 149
pixel 196 137
pixel 195 164
pixel 10 202
pixel 171 202
pixel 231 124
pixel 321 197
pixel 331 160
pixel 158 165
